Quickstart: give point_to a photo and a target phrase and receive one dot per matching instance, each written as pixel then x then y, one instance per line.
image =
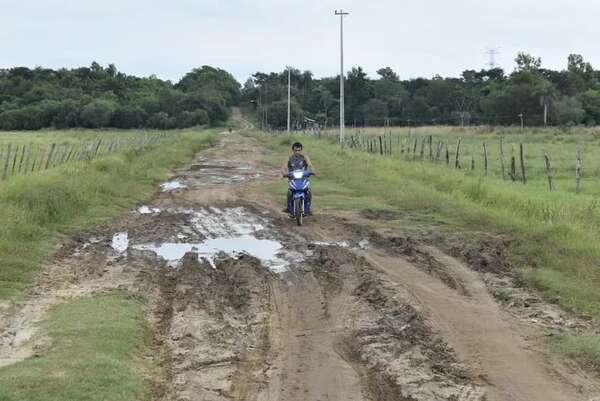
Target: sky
pixel 416 39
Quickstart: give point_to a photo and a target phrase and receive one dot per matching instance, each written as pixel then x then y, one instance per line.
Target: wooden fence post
pixel 14 163
pixel 548 171
pixel 415 149
pixel 485 160
pixel 447 155
pixel 430 148
pixel 513 163
pixel 502 158
pixel 21 159
pixel 522 158
pixel 422 150
pixel 438 151
pixel 457 159
pixel 50 156
pixel 6 159
pixel 472 158
pixel 578 167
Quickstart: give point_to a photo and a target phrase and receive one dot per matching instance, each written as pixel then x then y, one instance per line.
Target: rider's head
pixel 297 147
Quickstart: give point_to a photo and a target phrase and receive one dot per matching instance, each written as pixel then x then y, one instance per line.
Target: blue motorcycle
pixel 298 199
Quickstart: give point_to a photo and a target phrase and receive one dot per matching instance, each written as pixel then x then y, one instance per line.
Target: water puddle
pixel 147 210
pixel 120 242
pixel 265 250
pixel 172 185
pixel 232 231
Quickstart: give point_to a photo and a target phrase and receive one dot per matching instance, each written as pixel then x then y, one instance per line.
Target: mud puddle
pixel 211 233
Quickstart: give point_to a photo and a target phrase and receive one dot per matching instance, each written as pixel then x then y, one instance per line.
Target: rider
pixel 297 161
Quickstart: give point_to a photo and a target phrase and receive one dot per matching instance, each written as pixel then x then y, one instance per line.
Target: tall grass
pixel 36 208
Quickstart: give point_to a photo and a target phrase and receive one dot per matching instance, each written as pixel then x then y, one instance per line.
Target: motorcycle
pixel 298 199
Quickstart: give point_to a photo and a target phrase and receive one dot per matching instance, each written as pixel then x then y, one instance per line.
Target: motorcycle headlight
pixel 298 174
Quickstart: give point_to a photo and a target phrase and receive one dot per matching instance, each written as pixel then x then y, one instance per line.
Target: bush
pixel 98 113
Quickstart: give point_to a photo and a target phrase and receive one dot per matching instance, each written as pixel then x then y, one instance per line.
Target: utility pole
pixel 341 13
pixel 288 115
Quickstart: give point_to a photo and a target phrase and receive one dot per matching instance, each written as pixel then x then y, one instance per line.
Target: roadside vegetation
pixel 91 354
pixel 553 235
pixel 40 207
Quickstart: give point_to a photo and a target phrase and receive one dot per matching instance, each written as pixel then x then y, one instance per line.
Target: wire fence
pixel 20 159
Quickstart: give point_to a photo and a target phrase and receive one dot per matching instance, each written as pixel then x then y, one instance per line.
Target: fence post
pixel 422 150
pixel 415 149
pixel 457 159
pixel 502 158
pixel 548 171
pixel 578 166
pixel 522 158
pixel 21 159
pixel 14 163
pixel 50 156
pixel 447 155
pixel 438 150
pixel 513 163
pixel 6 159
pixel 472 158
pixel 485 160
pixel 381 146
pixel 430 148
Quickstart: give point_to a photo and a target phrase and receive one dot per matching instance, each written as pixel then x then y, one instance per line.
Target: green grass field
pixel 92 354
pixel 37 208
pixel 560 144
pixel 553 235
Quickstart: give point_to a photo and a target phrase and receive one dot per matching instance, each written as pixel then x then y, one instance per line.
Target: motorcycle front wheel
pixel 299 210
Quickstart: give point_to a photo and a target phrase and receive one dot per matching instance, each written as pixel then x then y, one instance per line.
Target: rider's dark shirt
pixel 297 162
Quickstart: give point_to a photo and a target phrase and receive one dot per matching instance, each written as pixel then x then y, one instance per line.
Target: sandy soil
pixel 331 310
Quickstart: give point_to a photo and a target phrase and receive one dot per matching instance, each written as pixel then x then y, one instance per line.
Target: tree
pixel 97 113
pixel 375 111
pixel 568 110
pixel 527 62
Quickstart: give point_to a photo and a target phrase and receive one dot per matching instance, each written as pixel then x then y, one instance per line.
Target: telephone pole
pixel 288 114
pixel 341 13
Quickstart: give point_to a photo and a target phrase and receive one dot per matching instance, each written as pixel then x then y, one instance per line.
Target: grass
pixel 553 235
pixel 39 207
pixel 560 144
pixel 91 355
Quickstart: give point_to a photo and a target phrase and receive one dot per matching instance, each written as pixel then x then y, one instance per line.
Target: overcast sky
pixel 417 38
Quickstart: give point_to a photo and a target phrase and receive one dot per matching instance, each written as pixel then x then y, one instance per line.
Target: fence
pixel 513 163
pixel 20 159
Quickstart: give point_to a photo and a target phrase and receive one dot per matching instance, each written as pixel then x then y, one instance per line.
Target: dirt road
pixel 247 306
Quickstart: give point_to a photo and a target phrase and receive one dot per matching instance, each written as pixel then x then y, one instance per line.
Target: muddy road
pixel 245 305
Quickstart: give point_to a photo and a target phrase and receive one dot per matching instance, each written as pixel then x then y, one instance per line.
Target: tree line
pixel 530 95
pixel 98 96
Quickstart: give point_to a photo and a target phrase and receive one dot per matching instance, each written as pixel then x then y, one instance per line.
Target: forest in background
pixel 486 97
pixel 97 96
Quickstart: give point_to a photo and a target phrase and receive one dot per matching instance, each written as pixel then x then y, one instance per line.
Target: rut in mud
pixel 244 305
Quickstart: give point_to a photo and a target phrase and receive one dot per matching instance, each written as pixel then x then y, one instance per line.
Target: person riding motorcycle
pixel 297 161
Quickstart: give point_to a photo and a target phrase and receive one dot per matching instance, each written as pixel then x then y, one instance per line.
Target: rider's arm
pixel 310 165
pixel 284 168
